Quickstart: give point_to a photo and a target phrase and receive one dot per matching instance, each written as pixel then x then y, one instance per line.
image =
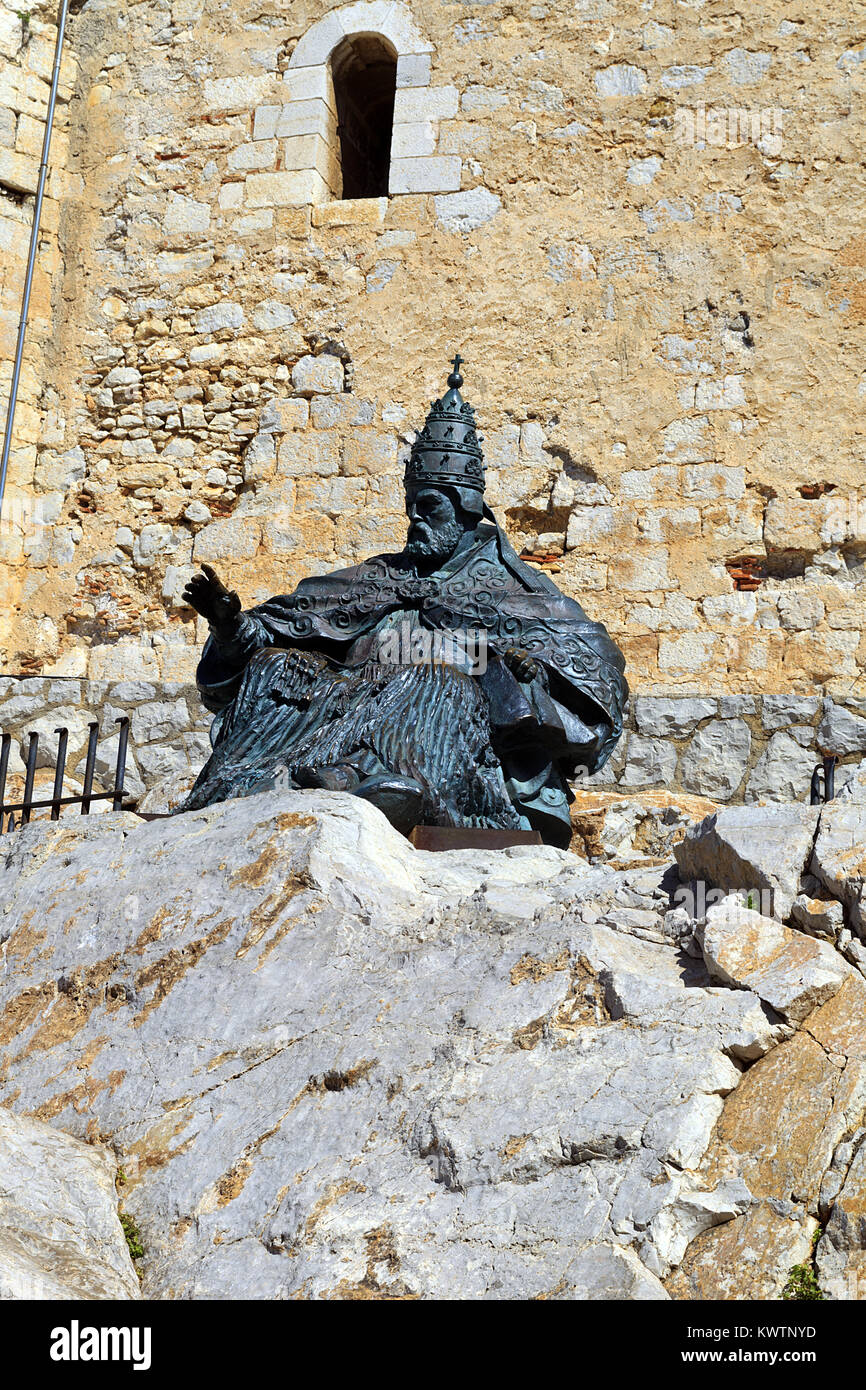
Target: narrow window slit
pixel 364 71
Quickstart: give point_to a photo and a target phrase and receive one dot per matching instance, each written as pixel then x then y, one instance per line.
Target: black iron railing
pixel 85 797
pixel 823 787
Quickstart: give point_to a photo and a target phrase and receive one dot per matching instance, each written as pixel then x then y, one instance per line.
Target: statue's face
pixel 435 528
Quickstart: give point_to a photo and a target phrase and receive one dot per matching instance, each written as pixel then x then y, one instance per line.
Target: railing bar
pixel 120 770
pixel 5 745
pixel 830 761
pixel 86 797
pixel 27 803
pixel 59 769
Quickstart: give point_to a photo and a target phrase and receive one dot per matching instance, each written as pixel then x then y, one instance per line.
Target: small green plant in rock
pixel 802 1285
pixel 802 1282
pixel 133 1236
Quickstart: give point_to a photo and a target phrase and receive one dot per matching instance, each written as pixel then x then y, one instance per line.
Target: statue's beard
pixel 433 543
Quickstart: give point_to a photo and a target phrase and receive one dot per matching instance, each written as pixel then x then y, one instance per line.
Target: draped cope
pixel 523 740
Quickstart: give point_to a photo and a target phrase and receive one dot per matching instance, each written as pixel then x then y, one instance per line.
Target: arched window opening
pixel 364 72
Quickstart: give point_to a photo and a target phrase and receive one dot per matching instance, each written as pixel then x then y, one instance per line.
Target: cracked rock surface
pixel 60 1235
pixel 333 1066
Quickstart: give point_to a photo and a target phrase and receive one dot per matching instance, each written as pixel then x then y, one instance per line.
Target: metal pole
pixel 34 242
pixel 26 806
pixel 120 770
pixel 89 766
pixel 5 743
pixel 59 768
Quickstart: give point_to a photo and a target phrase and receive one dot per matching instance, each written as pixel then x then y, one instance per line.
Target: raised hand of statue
pixel 207 594
pixel 521 664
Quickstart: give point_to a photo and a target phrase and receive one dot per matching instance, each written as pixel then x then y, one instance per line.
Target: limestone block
pixel 19 171
pixel 745 848
pixel 839 857
pixel 778 711
pixel 231 195
pixel 158 720
pixel 413 140
pixel 186 217
pixel 259 221
pixel 217 316
pixel 284 413
pixel 745 68
pixel 643 571
pixel 255 154
pixel 840 731
pixel 466 211
pixel 647 483
pixel 286 189
pixel 233 538
pixel 685 441
pixel 784 770
pixel 715 760
pixel 313 152
pixel 315 47
pixel 265 120
pixel 327 412
pixel 730 610
pixel 76 719
pixel 59 472
pixel 800 610
pixel 305 118
pixel 310 84
pixel 727 394
pixel 692 652
pixel 711 480
pixel 824 917
pixel 413 70
pixel 308 455
pixel 61 1236
pixel 272 314
pixel 650 762
pixel 620 80
pixel 671 718
pixel 792 973
pixel 436 174
pixel 413 104
pixel 478 98
pixel 351 212
pixel 587 526
pixel 322 375
pixel 792 524
pixel 369 451
pixel 240 94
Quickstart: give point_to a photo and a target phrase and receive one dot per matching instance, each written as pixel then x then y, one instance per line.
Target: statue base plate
pixel 438 837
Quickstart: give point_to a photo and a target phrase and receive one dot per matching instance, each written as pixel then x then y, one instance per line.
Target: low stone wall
pixel 168 727
pixel 735 747
pixel 730 748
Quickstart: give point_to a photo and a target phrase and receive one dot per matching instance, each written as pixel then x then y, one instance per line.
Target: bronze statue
pixel 450 684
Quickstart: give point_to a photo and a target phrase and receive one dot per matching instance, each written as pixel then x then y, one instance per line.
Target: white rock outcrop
pixel 333 1066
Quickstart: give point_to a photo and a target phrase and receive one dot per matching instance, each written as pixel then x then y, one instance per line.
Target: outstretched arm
pixel 236 635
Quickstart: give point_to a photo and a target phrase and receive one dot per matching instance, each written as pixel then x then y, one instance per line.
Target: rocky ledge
pixel 327 1065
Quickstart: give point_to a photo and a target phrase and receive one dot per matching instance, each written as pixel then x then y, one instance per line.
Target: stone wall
pixel 35 530
pixel 726 748
pixel 659 306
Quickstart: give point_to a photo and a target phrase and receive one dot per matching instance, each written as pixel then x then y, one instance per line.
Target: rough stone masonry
pixel 662 307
